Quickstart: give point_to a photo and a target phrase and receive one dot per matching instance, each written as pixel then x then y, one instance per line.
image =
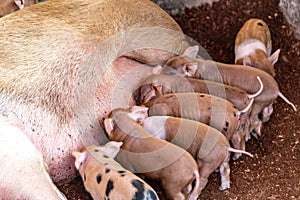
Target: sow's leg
pixel 23 172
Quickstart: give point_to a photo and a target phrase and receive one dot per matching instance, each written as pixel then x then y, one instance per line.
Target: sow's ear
pixel 80 158
pixel 191 51
pixel 274 57
pixel 108 125
pixel 112 148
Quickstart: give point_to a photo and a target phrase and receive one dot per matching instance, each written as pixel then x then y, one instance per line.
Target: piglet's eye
pixel 172 72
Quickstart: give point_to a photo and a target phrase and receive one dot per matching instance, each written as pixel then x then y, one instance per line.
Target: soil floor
pixel 274 172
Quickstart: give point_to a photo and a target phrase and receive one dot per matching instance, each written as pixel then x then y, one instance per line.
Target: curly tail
pixel 239 151
pixel 259 91
pixel 247 108
pixel 286 100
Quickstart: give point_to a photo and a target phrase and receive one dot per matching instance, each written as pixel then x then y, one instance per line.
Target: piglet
pixel 159 84
pixel 9 6
pixel 104 178
pixel 235 75
pixel 30 178
pixel 216 112
pixel 154 158
pixel 207 145
pixel 253 46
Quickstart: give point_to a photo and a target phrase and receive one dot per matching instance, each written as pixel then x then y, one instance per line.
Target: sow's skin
pixel 207 145
pixel 253 46
pixel 27 169
pixel 64 66
pixel 104 178
pixel 152 157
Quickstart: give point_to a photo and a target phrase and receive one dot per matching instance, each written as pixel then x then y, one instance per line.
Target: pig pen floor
pixel 274 172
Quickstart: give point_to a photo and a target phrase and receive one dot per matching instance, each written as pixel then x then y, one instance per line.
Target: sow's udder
pixel 117 85
pixel 114 90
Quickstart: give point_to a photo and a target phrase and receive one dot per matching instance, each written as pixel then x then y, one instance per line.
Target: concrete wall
pixel 291 11
pixel 177 6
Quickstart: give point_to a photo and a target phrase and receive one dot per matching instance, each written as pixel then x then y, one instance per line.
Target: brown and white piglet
pixel 253 46
pixel 208 146
pixel 159 84
pixel 213 111
pixel 9 6
pixel 104 178
pixel 152 157
pixel 235 75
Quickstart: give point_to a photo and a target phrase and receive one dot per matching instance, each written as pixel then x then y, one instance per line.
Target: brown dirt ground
pixel 274 172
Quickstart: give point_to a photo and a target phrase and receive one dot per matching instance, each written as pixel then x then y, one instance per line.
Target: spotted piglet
pixel 253 46
pixel 152 157
pixel 211 110
pixel 104 178
pixel 208 146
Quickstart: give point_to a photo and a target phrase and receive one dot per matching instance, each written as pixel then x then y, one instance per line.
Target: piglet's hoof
pixel 224 186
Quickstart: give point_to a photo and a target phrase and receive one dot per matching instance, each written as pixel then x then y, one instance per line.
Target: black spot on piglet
pixel 151 195
pixel 139 185
pixel 226 124
pixel 107 170
pixel 99 178
pixel 259 24
pixel 109 187
pixel 122 172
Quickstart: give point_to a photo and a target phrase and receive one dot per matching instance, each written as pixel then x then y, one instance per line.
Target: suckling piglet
pixel 235 75
pixel 208 146
pixel 9 6
pixel 152 157
pixel 214 111
pixel 159 84
pixel 104 178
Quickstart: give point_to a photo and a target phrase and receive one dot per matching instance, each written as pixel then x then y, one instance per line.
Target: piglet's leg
pixel 23 172
pixel 225 176
pixel 267 112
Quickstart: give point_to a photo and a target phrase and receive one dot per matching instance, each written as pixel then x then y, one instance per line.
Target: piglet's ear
pixel 247 61
pixel 157 87
pixel 108 125
pixel 20 3
pixel 274 57
pixel 80 158
pixel 190 69
pixel 191 51
pixel 112 148
pixel 157 69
